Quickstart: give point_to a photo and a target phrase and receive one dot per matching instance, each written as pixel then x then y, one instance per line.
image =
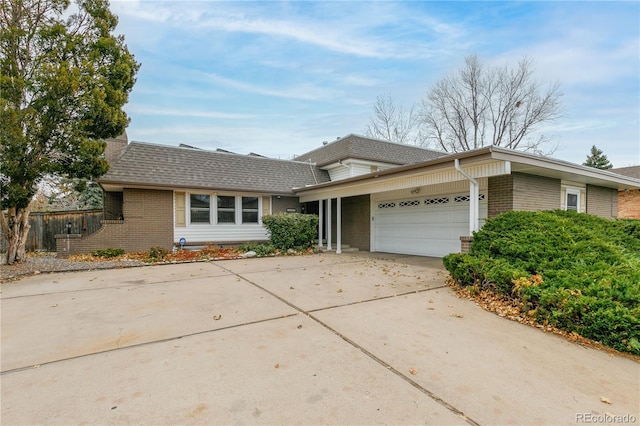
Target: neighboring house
pixel 629 199
pixel 368 193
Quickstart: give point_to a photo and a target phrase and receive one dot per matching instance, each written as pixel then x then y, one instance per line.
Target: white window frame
pixel 259 209
pixel 188 209
pixel 213 209
pixel 572 191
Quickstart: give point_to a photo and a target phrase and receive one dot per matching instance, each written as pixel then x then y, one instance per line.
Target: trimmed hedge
pixel 574 271
pixel 291 230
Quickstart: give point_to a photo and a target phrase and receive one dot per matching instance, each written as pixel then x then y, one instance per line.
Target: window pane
pixel 249 217
pixel 226 216
pixel 572 202
pixel 249 209
pixel 249 203
pixel 226 209
pixel 200 208
pixel 199 201
pixel 199 216
pixel 226 202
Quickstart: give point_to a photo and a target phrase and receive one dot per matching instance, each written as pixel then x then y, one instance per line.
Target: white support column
pixel 474 213
pixel 474 210
pixel 329 224
pixel 320 224
pixel 339 225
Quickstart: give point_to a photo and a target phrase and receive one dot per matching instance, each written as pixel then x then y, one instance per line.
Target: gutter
pixel 474 193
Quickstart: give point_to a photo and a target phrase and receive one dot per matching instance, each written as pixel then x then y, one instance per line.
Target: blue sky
pixel 279 78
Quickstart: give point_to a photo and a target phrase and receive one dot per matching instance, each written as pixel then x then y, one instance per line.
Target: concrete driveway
pixel 325 339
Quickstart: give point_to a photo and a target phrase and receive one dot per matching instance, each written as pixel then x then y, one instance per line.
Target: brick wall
pixel 534 193
pixel 356 222
pixel 602 201
pixel 629 204
pixel 148 222
pixel 520 191
pixel 500 190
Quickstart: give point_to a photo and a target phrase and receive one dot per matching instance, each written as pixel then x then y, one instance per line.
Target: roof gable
pixel 362 148
pixel 161 166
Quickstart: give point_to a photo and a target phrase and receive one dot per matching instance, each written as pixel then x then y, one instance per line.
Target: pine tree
pixel 597 159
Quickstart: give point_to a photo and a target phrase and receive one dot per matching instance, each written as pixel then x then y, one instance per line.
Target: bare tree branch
pixel 501 106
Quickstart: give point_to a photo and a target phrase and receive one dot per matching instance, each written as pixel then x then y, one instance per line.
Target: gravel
pixel 48 262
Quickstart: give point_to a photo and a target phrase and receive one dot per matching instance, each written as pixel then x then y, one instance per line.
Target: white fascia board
pixel 430 175
pixel 542 166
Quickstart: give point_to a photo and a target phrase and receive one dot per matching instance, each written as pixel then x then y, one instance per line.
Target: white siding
pixel 220 233
pixel 224 232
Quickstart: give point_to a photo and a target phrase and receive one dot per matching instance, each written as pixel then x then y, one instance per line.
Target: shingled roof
pixel 633 171
pixel 368 149
pixel 161 166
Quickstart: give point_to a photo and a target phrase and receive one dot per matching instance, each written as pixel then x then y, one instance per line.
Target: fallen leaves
pixel 509 308
pixel 413 371
pixel 217 317
pixel 605 400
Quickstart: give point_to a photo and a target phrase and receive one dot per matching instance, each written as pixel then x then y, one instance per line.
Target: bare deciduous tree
pixel 499 106
pixel 393 123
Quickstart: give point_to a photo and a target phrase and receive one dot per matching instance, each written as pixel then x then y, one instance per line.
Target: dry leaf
pixel 217 317
pixel 457 315
pixel 339 290
pixel 413 371
pixel 277 365
pixel 605 400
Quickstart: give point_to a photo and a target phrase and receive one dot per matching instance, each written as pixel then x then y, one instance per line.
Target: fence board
pixel 45 225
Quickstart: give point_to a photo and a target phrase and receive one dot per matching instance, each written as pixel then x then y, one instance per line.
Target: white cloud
pixel 146 110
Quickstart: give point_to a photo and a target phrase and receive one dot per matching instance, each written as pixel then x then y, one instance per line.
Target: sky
pixel 279 78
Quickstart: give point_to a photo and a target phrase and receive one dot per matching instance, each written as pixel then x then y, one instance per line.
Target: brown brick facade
pixel 602 201
pixel 148 222
pixel 629 204
pixel 520 191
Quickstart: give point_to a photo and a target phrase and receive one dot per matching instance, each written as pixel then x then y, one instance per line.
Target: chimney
pixel 115 148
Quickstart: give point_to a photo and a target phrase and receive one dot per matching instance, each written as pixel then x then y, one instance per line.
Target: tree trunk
pixel 15 224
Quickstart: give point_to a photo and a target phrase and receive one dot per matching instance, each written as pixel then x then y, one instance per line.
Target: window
pixel 249 209
pixel 200 208
pixel 573 200
pixel 226 209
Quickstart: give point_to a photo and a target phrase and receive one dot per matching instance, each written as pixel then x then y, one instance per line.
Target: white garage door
pixel 426 226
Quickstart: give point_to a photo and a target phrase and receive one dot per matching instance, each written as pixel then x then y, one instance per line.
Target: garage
pixel 425 226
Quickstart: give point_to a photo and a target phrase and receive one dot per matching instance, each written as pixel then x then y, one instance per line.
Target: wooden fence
pixel 45 225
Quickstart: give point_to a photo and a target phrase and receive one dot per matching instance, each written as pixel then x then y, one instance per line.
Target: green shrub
pixel 261 249
pixel 575 271
pixel 291 230
pixel 108 253
pixel 158 253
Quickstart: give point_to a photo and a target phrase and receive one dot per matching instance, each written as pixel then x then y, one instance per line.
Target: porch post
pixel 474 214
pixel 320 224
pixel 339 225
pixel 329 224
